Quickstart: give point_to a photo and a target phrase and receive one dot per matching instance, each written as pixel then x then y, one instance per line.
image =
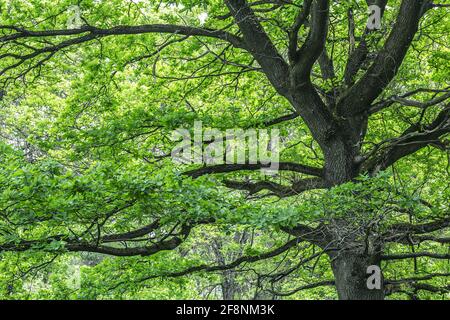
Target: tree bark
pixel 228 285
pixel 350 272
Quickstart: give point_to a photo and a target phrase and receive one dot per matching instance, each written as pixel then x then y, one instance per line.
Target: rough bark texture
pixel 350 272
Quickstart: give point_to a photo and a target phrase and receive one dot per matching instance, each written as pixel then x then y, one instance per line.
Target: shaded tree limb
pixel 132 234
pixel 402 99
pixel 300 20
pixel 259 44
pixel 307 55
pixel 412 140
pixel 226 168
pixel 277 189
pixel 419 278
pixel 245 259
pixel 358 56
pixel 73 245
pixel 391 257
pixel 124 30
pixel 361 95
pixel 304 287
pixel 409 239
pixel 281 119
pixel 408 228
pixel 89 33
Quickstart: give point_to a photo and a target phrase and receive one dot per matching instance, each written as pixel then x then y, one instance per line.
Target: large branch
pixel 169 242
pixel 415 255
pixel 304 287
pixel 129 251
pixel 411 141
pixel 259 44
pixel 358 99
pixel 317 236
pixel 413 282
pixel 132 234
pixel 408 239
pixel 358 56
pixel 429 288
pixel 283 166
pixel 403 100
pixel 89 33
pixel 277 189
pixel 422 228
pixel 325 128
pixel 408 233
pixel 300 20
pixel 313 47
pixel 281 119
pixel 276 4
pixel 92 247
pixel 124 30
pixel 208 268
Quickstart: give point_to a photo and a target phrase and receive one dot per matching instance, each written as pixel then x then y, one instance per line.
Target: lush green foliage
pixel 83 134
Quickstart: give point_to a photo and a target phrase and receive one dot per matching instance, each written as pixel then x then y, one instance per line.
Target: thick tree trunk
pixel 350 272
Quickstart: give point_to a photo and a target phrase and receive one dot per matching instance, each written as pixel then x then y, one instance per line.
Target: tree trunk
pixel 228 285
pixel 351 275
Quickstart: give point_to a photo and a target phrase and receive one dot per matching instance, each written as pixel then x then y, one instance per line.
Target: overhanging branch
pixel 412 140
pixel 403 256
pixel 277 189
pixel 283 166
pixel 168 242
pixel 208 268
pixel 89 33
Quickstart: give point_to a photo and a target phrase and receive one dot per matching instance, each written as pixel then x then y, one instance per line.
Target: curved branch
pixel 288 117
pixel 412 140
pixel 409 239
pixel 394 286
pixel 80 246
pixel 245 259
pixel 421 228
pixel 421 278
pixel 260 45
pixel 132 234
pixel 305 287
pixel 358 56
pixel 317 236
pixel 359 98
pixel 89 33
pixel 283 166
pixel 402 99
pixel 419 239
pixel 299 22
pixel 402 256
pixel 125 30
pixel 277 189
pixel 127 252
pixel 311 50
